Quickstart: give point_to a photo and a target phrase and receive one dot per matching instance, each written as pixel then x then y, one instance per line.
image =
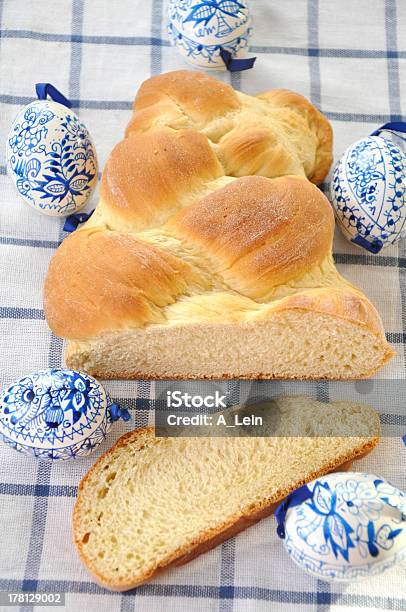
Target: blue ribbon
pixel 73 221
pixel 234 64
pixel 119 413
pixel 45 89
pixel 373 246
pixel 392 126
pixel 293 499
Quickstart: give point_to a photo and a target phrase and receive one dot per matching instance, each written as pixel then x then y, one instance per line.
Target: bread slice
pixel 149 502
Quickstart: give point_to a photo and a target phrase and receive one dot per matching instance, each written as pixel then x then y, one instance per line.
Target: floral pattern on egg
pixel 55 414
pixel 352 526
pixel 368 192
pixel 199 29
pixel 51 158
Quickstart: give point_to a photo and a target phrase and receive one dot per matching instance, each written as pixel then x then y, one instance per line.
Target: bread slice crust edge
pixel 212 537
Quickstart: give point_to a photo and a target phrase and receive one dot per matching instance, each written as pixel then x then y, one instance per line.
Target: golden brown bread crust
pixel 261 233
pixel 111 280
pixel 273 134
pixel 147 176
pixel 212 537
pixel 254 234
pixel 287 100
pixel 349 305
pixel 171 224
pixel 259 150
pixel 199 96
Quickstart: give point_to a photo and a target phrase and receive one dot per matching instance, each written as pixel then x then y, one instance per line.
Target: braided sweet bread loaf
pixel 192 268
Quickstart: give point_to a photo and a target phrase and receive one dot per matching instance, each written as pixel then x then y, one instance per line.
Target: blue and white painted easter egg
pixel 51 158
pixel 368 192
pixel 200 28
pixel 56 414
pixel 347 526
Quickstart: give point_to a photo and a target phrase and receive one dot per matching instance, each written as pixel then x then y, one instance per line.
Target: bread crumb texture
pixel 150 501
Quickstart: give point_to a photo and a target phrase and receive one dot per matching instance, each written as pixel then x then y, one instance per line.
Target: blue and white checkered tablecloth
pixel 349 58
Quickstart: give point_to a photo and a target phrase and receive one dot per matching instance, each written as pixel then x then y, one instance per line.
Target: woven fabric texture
pixel 349 58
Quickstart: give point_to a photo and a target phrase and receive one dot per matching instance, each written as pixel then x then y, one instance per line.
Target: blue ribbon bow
pixel 374 245
pixel 119 413
pixel 392 126
pixel 45 89
pixel 73 221
pixel 293 499
pixel 234 64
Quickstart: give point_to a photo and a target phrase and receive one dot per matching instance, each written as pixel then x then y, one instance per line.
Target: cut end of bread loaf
pixel 149 503
pixel 283 341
